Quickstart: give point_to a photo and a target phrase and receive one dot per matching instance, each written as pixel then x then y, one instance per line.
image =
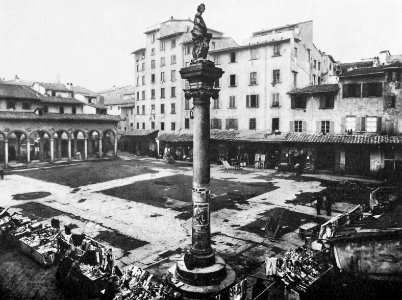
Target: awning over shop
pixel 316 89
pixel 176 137
pixel 139 132
pixel 368 139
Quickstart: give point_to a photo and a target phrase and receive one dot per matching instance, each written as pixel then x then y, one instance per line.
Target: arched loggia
pixel 17 147
pixel 39 144
pixel 109 143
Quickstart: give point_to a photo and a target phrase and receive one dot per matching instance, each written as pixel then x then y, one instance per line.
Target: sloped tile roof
pixel 84 91
pixel 12 91
pixel 139 132
pixel 54 86
pixel 316 89
pixel 369 139
pixel 61 100
pixel 363 71
pixel 16 115
pixel 175 137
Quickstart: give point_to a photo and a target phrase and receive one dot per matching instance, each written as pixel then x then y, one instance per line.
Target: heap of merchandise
pixel 300 268
pixel 136 283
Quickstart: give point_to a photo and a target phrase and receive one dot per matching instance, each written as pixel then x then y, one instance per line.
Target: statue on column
pixel 201 37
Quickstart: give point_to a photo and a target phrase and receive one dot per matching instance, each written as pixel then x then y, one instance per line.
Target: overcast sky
pixel 88 42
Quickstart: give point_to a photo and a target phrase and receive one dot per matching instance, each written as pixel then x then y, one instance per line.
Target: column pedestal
pixel 200 272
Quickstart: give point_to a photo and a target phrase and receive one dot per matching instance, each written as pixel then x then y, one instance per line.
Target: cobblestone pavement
pixel 149 236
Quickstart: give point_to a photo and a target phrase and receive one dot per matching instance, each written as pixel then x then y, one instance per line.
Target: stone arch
pixel 62 144
pixel 94 145
pixel 17 146
pixel 79 138
pixel 108 142
pixel 40 143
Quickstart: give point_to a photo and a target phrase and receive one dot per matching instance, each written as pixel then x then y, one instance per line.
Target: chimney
pixel 17 79
pixel 383 57
pixel 171 18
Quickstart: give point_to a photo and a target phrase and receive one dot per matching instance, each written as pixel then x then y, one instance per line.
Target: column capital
pixel 201 95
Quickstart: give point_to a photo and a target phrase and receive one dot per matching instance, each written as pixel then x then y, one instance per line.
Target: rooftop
pixel 280 28
pixel 316 89
pixel 138 132
pixel 369 139
pixel 17 92
pixel 16 115
pixel 84 91
pixel 64 100
pixel 54 86
pixel 363 71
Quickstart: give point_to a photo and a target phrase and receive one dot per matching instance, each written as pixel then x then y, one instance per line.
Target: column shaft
pixel 86 148
pixel 69 148
pixel 51 150
pixel 75 146
pixel 100 147
pixel 6 153
pixel 28 150
pixel 115 144
pixel 59 148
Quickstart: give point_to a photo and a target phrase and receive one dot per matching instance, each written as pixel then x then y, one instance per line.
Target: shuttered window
pixel 252 101
pixel 231 124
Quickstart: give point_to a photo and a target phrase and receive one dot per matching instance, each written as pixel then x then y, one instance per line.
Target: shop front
pixel 139 142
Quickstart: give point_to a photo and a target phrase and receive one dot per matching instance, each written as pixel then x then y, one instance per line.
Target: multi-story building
pixel 46 123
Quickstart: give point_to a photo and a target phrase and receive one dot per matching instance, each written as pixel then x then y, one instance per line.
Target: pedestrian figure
pixel 318 204
pixel 327 203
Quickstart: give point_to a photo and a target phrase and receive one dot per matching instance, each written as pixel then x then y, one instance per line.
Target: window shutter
pixel 363 124
pixel 344 91
pixel 358 124
pixel 248 101
pixel 304 125
pixel 365 89
pixel 235 124
pixel 343 124
pixel 219 124
pixel 292 126
pixel 331 127
pixel 318 126
pixel 292 102
pixel 258 100
pixel 379 124
pixel 227 124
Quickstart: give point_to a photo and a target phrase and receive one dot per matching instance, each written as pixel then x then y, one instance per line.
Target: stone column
pixel 59 144
pixel 86 148
pixel 51 149
pixel 115 144
pixel 69 148
pixel 18 150
pixel 100 146
pixel 75 146
pixel 6 153
pixel 41 148
pixel 28 150
pixel 202 272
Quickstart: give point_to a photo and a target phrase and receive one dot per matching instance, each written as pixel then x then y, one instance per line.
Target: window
pixel 26 106
pixel 252 124
pixel 187 49
pixel 216 124
pixel 232 102
pixel 152 78
pixel 232 57
pixel 153 108
pixel 138 125
pixel 143 95
pixel 131 126
pixel 138 110
pixel 132 111
pixel 371 124
pixel 314 83
pixel 153 51
pixel 153 94
pixel 276 76
pixel 11 105
pixel 172 108
pixel 216 83
pixel 152 125
pixel 45 109
pixel 253 78
pixel 173 92
pixel 73 110
pixel 294 79
pixel 173 59
pixel 143 125
pixel 327 101
pixel 138 68
pixel 315 64
pixel 173 75
pixel 143 109
pixel 298 102
pixel 232 80
pixel 162 61
pixel 217 59
pixel 173 44
pixel 231 124
pixel 295 52
pixel 138 95
pixel 372 89
pixel 216 103
pixel 275 124
pixel 252 101
pixel 173 126
pixel 138 80
pixel 298 126
pixel 162 92
pixel 162 46
pixel 162 108
pixel 162 125
pixel 53 93
pixel 325 126
pixel 162 76
pixel 61 110
pixel 186 104
pixel 142 66
pixel 309 55
pixel 277 50
pixel 352 90
pixel 275 99
pixel 143 80
pixel 254 53
pixel 186 123
pixel 319 66
pixel 153 64
pixel 350 123
pixel 153 38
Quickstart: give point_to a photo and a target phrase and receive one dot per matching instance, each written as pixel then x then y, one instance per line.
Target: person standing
pixel 327 203
pixel 318 204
